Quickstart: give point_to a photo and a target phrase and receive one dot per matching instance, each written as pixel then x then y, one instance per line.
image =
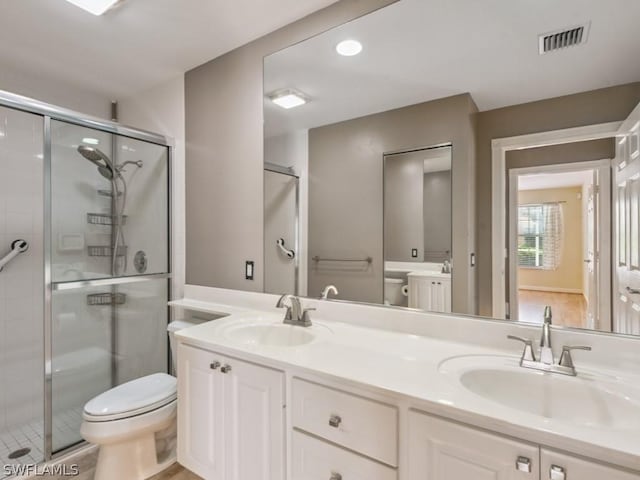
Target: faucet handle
pixel 565 357
pixel 305 319
pixel 527 353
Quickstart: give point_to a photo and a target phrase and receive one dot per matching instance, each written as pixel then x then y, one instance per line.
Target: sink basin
pixel 587 400
pixel 273 335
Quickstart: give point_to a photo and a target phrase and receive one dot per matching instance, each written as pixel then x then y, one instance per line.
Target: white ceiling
pixel 139 44
pixel 554 180
pixel 419 50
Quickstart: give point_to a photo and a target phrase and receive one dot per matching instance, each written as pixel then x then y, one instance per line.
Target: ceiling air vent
pixel 567 37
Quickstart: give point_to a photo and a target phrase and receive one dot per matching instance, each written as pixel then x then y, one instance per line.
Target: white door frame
pixel 499 149
pixel 604 206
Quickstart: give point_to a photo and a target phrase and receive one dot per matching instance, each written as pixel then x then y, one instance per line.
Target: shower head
pixel 99 159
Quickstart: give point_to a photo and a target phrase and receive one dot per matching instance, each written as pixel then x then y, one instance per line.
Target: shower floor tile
pixel 66 428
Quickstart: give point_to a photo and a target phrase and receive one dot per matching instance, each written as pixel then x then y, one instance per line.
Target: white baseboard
pixel 551 289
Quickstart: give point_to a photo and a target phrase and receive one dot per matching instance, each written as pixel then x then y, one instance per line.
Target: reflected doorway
pixel 559 247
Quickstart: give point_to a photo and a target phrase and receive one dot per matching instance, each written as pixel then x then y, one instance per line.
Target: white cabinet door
pixel 420 292
pixel 200 404
pixel 445 450
pixel 559 466
pixel 230 417
pixel 253 420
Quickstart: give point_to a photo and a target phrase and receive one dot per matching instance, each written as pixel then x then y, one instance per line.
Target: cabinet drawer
pixel 314 459
pixel 362 425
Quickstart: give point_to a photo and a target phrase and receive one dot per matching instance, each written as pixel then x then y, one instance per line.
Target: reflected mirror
pixel 469 157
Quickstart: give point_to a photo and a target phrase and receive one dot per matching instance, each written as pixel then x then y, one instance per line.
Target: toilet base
pixel 132 460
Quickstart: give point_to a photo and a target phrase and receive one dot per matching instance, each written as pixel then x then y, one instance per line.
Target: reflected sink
pixel 273 335
pixel 587 400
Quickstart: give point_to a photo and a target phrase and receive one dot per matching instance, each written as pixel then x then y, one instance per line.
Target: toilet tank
pixel 172 328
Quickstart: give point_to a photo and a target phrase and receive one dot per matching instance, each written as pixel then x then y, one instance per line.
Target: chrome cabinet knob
pixel 523 464
pixel 557 473
pixel 226 368
pixel 335 476
pixel 335 421
pixel 215 365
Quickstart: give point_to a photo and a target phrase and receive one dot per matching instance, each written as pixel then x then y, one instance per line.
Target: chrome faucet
pixel 546 353
pixel 327 290
pixel 295 315
pixel 446 267
pixel 528 359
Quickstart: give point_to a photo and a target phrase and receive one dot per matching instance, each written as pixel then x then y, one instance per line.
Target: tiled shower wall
pixel 21 281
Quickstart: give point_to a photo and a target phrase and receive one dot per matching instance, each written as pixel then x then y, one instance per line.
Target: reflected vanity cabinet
pixel 430 293
pixel 234 423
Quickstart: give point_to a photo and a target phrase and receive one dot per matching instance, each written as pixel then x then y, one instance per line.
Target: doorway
pixel 559 243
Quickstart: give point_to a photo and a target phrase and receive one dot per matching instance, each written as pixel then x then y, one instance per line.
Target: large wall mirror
pixel 467 157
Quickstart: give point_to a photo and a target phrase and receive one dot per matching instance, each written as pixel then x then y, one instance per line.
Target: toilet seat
pixel 132 398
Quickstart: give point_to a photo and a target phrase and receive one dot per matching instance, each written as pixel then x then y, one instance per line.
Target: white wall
pixel 292 150
pixel 22 280
pixel 161 110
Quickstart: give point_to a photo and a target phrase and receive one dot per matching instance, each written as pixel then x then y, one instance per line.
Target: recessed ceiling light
pixel 288 98
pixel 97 7
pixel 349 48
pixel 90 141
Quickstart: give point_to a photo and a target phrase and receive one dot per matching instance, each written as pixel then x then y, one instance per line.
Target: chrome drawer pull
pixel 557 473
pixel 215 365
pixel 335 476
pixel 335 421
pixel 523 464
pixel 226 368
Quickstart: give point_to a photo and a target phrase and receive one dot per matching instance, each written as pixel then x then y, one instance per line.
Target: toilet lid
pixel 133 398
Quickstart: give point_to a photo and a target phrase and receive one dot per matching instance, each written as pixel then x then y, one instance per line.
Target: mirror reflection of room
pixel 417 229
pixel 527 222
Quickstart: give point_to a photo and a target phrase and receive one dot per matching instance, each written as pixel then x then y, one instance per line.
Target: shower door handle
pixel 17 247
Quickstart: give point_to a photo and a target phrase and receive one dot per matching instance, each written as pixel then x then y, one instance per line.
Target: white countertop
pixel 408 366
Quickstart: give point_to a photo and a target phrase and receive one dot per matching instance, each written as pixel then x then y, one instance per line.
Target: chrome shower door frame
pixel 48 113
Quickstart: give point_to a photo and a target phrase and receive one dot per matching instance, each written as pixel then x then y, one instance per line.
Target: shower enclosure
pixel 84 270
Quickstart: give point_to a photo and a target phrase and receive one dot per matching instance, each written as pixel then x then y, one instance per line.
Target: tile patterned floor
pixel 31 435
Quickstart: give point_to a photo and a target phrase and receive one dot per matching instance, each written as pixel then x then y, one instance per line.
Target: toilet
pixel 127 421
pixel 396 291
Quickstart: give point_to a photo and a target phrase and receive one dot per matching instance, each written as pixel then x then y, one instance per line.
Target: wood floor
pixel 569 309
pixel 86 462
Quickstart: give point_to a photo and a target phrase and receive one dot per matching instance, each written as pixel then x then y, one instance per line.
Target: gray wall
pixel 346 192
pixel 437 216
pixel 587 108
pixel 403 207
pixel 224 152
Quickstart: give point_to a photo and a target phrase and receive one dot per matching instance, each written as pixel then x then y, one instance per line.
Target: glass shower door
pixel 21 290
pixel 109 250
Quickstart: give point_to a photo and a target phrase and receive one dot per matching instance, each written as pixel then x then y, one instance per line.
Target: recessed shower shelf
pixel 105 219
pixel 106 251
pixel 106 299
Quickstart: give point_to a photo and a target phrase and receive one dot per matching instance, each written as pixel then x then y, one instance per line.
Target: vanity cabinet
pixel 428 293
pixel 560 466
pixel 230 417
pixel 444 450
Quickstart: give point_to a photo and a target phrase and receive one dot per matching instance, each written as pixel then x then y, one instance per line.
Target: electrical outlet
pixel 414 252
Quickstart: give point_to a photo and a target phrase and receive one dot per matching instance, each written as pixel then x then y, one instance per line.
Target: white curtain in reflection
pixel 553 236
